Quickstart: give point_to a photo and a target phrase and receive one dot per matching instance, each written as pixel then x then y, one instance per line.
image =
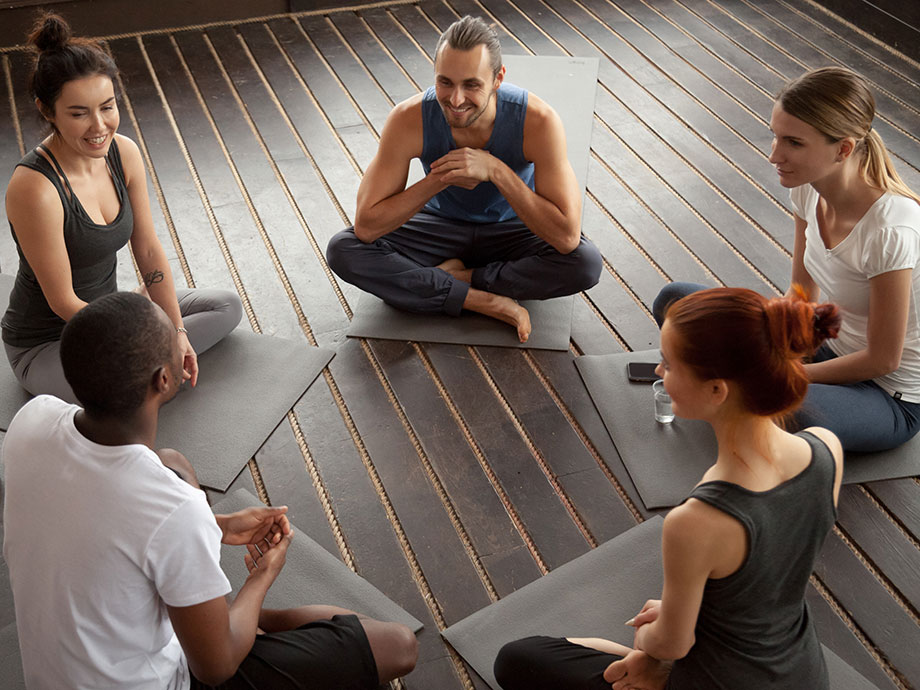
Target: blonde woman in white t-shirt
pixel 857 241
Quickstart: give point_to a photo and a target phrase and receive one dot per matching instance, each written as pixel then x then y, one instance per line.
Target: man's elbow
pixel 364 227
pixel 569 243
pixel 363 233
pixel 214 671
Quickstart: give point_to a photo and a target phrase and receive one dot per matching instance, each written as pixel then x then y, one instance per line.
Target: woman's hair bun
pixel 50 33
pixel 797 326
pixel 754 341
pixel 827 321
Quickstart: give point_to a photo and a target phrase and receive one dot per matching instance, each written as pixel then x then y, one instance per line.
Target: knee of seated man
pixel 407 650
pixel 586 265
pixel 338 248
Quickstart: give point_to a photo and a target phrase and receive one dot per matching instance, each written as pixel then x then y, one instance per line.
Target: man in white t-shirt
pixel 114 559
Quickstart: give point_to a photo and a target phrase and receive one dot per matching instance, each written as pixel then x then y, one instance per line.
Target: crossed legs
pixel 558 663
pixel 437 265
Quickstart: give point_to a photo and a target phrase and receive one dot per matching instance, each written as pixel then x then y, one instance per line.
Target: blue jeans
pixel 862 415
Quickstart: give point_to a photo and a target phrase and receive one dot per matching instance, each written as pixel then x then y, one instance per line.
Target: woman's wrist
pixel 181 329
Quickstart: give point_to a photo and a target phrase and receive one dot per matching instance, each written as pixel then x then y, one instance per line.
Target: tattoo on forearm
pixel 153 277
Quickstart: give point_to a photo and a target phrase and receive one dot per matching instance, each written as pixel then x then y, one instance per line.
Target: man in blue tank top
pixel 497 217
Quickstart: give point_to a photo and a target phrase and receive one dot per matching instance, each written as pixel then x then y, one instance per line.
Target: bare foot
pixel 457 269
pixel 638 671
pixel 500 307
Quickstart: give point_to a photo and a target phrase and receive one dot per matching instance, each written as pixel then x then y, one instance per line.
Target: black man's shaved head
pixel 111 348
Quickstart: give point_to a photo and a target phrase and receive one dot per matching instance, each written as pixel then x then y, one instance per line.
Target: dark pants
pixel 321 655
pixel 551 663
pixel 863 415
pixel 507 258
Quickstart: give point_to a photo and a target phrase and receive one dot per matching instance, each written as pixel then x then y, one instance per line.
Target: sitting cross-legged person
pixel 497 217
pixel 114 554
pixel 738 552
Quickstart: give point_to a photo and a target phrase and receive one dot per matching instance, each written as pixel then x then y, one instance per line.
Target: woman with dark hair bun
pixel 739 550
pixel 857 242
pixel 72 203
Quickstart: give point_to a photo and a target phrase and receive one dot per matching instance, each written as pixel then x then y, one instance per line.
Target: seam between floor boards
pixel 858 632
pixel 351 99
pixel 791 57
pixel 649 210
pixel 579 430
pixel 882 579
pixel 316 104
pixel 699 173
pixel 157 187
pixel 237 177
pixel 282 180
pixel 605 321
pixel 318 484
pixel 709 225
pixel 865 34
pixel 199 188
pixel 483 461
pixel 320 487
pixel 408 552
pixel 890 515
pixel 828 55
pixel 12 98
pixel 534 451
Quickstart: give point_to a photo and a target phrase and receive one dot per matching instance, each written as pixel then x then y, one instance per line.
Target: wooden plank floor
pixel 451 476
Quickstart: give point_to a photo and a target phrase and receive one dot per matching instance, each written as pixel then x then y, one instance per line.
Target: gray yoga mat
pixel 569 85
pixel 550 319
pixel 665 461
pixel 248 384
pixel 311 575
pixel 590 596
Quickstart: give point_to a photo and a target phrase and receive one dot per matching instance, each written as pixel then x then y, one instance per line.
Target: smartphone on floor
pixel 642 371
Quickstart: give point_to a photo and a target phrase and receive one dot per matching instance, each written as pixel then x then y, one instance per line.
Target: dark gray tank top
pixel 754 630
pixel 91 249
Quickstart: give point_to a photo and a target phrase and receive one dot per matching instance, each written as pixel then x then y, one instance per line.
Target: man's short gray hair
pixel 469 32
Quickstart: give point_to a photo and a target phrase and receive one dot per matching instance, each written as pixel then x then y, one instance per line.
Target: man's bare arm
pixel 384 201
pixel 216 637
pixel 552 210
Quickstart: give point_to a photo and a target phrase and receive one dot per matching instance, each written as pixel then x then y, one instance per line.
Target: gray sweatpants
pixel 506 258
pixel 208 315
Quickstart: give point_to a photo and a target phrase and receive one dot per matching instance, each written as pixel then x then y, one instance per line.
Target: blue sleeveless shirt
pixel 484 203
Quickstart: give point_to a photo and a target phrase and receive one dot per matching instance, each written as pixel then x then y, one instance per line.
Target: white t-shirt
pixel 886 238
pixel 98 539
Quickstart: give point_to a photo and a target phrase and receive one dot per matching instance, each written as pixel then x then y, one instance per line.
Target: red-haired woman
pixel 857 241
pixel 753 526
pixel 72 203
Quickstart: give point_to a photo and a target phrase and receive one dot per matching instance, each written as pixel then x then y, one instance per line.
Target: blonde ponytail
pixel 878 170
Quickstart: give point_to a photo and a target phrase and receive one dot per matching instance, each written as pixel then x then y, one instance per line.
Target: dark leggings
pixel 551 663
pixel 863 415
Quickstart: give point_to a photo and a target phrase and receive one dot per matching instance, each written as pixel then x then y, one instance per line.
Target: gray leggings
pixel 209 315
